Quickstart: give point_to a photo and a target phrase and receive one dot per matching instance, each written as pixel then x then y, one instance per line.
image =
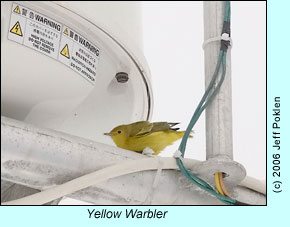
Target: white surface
pixel 121 19
pixel 173 37
pixel 41 90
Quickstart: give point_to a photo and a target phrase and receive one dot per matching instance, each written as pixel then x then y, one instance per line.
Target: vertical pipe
pixel 219 112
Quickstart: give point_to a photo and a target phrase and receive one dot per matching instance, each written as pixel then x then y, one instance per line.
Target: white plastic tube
pixel 111 172
pixel 90 179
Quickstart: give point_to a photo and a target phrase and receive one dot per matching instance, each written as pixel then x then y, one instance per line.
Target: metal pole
pixel 219 142
pixel 219 113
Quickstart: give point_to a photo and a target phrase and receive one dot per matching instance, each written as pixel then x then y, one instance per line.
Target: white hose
pixel 254 184
pixel 106 173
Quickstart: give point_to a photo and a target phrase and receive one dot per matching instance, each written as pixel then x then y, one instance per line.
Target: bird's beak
pixel 107 134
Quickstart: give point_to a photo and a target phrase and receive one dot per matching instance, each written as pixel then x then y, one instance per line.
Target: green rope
pixel 206 99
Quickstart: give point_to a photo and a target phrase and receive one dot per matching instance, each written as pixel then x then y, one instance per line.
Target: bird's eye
pixel 119 132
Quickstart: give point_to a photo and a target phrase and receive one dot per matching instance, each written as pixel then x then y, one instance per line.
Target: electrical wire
pixel 217 183
pixel 254 184
pixel 222 184
pixel 210 93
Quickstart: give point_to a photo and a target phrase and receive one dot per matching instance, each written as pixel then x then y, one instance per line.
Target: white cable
pixel 149 197
pixel 113 171
pixel 254 184
pixel 90 179
pixel 158 173
pixel 224 36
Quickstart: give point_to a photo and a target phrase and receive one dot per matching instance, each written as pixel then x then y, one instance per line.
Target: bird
pixel 143 135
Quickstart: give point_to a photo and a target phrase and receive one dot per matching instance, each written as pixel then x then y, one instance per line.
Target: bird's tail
pixel 191 132
pixel 181 134
pixel 171 125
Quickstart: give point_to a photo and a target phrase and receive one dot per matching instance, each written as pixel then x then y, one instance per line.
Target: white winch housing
pixel 68 83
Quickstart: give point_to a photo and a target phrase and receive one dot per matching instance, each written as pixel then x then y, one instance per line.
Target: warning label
pixel 16 29
pixel 65 51
pixel 65 31
pixel 79 54
pixel 35 31
pixel 55 40
pixel 16 10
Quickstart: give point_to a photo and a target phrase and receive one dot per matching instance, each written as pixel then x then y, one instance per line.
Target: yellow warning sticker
pixel 16 29
pixel 65 31
pixel 16 10
pixel 65 51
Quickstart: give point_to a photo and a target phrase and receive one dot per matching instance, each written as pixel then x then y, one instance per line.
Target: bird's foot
pixel 148 151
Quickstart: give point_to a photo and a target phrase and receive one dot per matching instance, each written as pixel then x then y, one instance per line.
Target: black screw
pixel 122 77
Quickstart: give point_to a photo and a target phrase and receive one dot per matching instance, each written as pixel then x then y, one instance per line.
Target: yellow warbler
pixel 143 134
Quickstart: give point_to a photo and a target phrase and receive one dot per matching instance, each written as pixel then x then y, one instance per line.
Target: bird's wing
pixel 136 127
pixel 145 130
pixel 142 128
pixel 156 127
pixel 164 126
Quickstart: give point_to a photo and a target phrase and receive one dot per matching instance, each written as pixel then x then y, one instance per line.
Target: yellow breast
pixel 157 141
